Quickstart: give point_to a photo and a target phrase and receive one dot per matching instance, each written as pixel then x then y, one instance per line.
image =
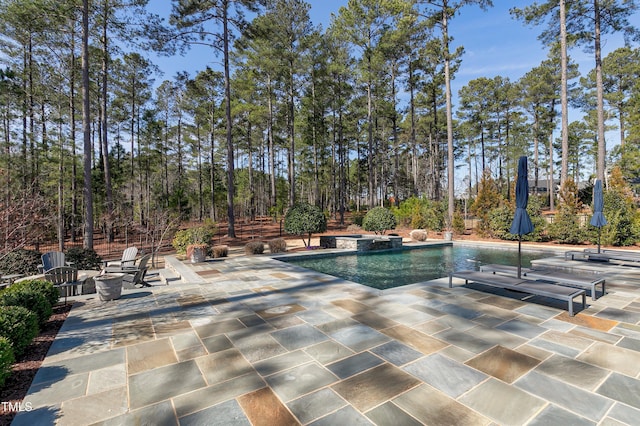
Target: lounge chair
pixel 603 256
pixel 133 277
pixel 126 262
pixel 538 288
pixel 550 275
pixel 622 253
pixel 65 278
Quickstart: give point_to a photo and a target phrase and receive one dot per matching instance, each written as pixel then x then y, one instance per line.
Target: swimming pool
pixel 397 268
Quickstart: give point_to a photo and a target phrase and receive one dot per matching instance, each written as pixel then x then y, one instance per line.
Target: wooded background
pixel 349 117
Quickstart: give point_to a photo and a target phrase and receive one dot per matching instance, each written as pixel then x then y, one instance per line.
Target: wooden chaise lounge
pixel 553 276
pixel 538 288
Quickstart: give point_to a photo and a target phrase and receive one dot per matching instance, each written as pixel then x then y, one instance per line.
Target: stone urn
pixel 108 286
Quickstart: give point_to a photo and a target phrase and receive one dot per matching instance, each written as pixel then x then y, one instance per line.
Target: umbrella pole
pixel 599 231
pixel 519 256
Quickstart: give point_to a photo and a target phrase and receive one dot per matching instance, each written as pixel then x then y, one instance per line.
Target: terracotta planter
pixel 197 253
pixel 108 286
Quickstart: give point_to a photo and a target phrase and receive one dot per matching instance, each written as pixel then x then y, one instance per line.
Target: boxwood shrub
pixel 6 360
pixel 19 326
pixel 46 288
pixel 28 298
pixel 379 220
pixel 304 219
pixel 254 247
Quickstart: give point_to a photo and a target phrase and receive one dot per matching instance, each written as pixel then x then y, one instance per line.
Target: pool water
pixel 397 268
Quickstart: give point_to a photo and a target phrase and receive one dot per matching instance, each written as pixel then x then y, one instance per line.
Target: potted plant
pixel 194 242
pixel 197 252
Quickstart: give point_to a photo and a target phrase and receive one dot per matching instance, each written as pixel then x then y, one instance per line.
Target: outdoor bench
pixel 538 288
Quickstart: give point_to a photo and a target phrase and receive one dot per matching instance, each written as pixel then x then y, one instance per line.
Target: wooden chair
pixel 52 259
pixel 63 277
pixel 136 276
pixel 127 262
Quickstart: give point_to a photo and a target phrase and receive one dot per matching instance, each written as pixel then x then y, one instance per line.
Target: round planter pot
pixel 108 286
pixel 198 254
pixel 448 236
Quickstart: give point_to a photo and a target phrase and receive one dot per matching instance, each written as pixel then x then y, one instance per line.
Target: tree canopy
pixel 344 118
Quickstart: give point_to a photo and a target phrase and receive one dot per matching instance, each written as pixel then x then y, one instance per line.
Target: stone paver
pixel 255 341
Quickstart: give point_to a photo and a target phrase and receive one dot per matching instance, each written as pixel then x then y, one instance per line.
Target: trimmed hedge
pixel 379 220
pixel 7 359
pixel 254 247
pixel 46 288
pixel 28 298
pixel 220 251
pixel 277 245
pixel 304 219
pixel 19 326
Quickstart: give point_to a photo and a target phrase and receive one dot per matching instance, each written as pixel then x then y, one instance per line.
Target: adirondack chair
pixel 52 259
pixel 127 262
pixel 136 276
pixel 63 277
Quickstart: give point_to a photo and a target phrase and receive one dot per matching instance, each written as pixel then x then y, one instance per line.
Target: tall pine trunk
pixel 231 232
pixel 86 131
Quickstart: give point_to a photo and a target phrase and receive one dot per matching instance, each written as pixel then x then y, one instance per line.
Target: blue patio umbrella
pixel 598 220
pixel 521 221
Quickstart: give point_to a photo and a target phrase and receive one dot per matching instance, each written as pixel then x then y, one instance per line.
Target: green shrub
pixel 220 251
pixel 357 217
pixel 277 245
pixel 20 261
pixel 488 198
pixel 304 219
pixel 408 213
pixel 82 258
pixel 458 224
pixel 500 219
pixel 6 360
pixel 420 213
pixel 19 326
pixel 379 220
pixel 28 298
pixel 46 288
pixel 566 228
pixel 623 223
pixel 196 235
pixel 254 247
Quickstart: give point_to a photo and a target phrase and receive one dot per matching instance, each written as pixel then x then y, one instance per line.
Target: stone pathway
pixel 259 342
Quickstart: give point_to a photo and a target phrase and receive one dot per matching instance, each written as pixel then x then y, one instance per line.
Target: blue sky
pixel 494 43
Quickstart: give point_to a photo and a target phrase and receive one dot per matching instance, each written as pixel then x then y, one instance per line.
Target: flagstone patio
pixel 259 342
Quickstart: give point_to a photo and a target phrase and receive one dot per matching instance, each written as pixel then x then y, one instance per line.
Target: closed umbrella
pixel 521 221
pixel 598 220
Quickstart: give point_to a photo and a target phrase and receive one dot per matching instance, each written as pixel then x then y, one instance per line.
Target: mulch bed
pixel 25 368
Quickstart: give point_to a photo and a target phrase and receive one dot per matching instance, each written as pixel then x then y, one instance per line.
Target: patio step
pixel 166 276
pixel 184 272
